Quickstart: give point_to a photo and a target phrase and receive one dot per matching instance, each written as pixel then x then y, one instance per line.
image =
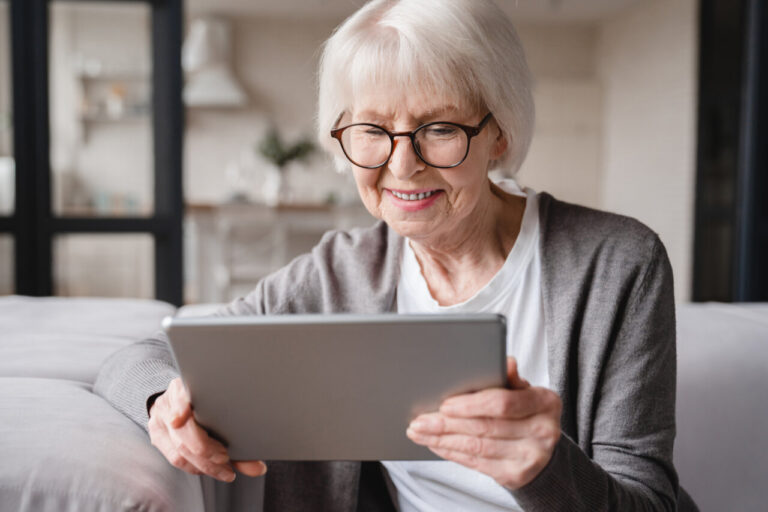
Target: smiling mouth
pixel 413 197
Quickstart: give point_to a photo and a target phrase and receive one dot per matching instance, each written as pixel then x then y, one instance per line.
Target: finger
pixel 162 407
pixel 159 407
pixel 180 405
pixel 514 477
pixel 166 448
pixel 462 458
pixel 499 403
pixel 179 461
pixel 251 467
pixel 515 381
pixel 481 447
pixel 188 432
pixel 437 424
pixel 171 445
pixel 196 440
pixel 221 471
pixel 495 468
pixel 181 414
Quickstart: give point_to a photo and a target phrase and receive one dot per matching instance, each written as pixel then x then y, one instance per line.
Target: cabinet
pixel 230 247
pixel 114 97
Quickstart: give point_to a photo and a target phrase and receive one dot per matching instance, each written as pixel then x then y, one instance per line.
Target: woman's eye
pixel 364 132
pixel 368 131
pixel 441 131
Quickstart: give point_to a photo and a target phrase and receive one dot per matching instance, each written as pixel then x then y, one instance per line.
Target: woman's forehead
pixel 386 105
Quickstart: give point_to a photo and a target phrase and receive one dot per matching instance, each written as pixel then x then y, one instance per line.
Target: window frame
pixel 33 224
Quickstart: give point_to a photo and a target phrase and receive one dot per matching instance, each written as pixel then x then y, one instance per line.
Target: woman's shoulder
pixel 370 242
pixel 348 270
pixel 588 231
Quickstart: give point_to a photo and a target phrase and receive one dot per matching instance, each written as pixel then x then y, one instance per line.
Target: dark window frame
pixel 731 227
pixel 33 224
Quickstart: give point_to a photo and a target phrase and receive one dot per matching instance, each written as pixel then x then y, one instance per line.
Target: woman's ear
pixel 500 146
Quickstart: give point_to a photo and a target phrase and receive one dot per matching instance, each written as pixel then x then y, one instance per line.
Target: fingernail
pixel 417 424
pixel 425 424
pixel 225 475
pixel 415 436
pixel 220 458
pixel 263 468
pixel 448 408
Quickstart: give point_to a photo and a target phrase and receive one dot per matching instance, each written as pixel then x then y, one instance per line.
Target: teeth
pixel 413 197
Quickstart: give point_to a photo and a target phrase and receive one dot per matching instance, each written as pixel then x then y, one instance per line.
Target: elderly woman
pixel 421 99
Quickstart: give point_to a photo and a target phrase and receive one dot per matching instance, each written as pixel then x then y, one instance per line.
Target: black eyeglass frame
pixel 471 131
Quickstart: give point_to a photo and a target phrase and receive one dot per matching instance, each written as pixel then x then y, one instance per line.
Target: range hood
pixel 206 57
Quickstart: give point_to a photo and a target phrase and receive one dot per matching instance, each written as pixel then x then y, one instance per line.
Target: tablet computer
pixel 331 387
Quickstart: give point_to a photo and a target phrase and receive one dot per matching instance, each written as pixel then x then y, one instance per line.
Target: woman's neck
pixel 457 265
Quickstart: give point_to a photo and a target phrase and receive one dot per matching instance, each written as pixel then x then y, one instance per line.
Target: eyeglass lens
pixel 439 145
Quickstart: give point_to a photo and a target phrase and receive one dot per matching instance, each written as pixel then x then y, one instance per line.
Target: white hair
pixel 465 50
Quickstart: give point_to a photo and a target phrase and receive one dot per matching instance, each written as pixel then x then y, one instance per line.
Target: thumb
pixel 182 413
pixel 251 467
pixel 514 379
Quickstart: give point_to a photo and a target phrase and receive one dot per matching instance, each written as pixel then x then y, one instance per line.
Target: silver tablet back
pixel 331 387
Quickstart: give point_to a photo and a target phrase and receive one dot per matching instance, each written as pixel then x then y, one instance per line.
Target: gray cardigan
pixel 610 320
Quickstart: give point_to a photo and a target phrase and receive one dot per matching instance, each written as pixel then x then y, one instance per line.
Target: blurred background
pixel 146 147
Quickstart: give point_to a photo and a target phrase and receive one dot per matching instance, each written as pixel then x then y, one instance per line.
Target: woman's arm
pixel 633 424
pixel 634 418
pixel 143 383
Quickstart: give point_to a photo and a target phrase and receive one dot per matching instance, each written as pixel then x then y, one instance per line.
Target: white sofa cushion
pixel 722 405
pixel 70 338
pixel 66 449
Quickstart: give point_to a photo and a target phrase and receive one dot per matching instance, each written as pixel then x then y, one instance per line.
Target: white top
pixel 515 291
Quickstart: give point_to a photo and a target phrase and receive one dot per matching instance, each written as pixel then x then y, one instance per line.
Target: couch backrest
pixel 721 451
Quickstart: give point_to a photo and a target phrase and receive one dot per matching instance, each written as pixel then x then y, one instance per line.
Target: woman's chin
pixel 415 225
pixel 415 229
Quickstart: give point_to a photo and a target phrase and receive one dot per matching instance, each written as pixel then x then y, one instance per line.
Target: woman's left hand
pixel 508 434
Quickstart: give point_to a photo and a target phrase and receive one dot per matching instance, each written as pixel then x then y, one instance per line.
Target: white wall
pixel 276 60
pixel 647 64
pixel 565 155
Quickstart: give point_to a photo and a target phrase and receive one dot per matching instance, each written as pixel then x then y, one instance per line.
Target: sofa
pixel 63 448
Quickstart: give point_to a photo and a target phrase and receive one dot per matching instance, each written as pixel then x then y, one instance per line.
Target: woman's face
pixel 457 194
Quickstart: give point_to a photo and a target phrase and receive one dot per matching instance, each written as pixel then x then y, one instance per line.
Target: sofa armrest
pixel 722 410
pixel 65 448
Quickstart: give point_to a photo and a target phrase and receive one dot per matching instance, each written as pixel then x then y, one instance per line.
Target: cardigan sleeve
pixel 136 374
pixel 630 467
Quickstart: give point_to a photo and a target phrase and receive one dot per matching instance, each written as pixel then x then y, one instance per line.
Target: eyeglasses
pixel 438 144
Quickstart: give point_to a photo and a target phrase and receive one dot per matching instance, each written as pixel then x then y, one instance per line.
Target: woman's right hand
pixel 174 431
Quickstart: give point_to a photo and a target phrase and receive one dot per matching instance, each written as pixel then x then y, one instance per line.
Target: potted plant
pixel 280 154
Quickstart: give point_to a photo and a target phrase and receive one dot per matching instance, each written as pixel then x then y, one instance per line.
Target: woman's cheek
pixel 367 188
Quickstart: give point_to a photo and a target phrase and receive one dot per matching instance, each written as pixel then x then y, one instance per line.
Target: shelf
pixel 116 77
pixel 122 119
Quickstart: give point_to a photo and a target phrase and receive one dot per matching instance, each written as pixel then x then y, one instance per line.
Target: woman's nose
pixel 404 161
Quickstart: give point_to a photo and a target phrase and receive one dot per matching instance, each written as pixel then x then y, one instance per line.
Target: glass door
pixel 98 129
pixel 101 153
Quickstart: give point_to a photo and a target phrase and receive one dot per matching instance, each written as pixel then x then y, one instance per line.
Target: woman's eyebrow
pixel 441 110
pixel 427 115
pixel 437 114
pixel 372 115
